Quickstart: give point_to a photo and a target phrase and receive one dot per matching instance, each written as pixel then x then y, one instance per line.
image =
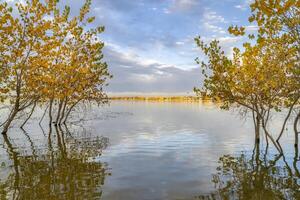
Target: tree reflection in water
pixel 256 177
pixel 66 170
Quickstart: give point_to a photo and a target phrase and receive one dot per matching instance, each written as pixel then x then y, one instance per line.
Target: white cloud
pixel 185 4
pixel 181 5
pixel 143 78
pixel 213 17
pixel 179 43
pixel 227 43
pixel 133 73
pixel 228 40
pixel 211 21
pixel 213 28
pixel 244 5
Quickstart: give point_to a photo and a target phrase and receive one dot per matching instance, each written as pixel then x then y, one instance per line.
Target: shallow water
pixel 146 150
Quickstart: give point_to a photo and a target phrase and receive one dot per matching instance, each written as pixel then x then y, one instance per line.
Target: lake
pixel 147 150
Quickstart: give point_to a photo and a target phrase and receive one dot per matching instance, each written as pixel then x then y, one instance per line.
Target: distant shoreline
pixel 162 98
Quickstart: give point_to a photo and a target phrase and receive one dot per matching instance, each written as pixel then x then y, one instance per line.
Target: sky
pixel 149 44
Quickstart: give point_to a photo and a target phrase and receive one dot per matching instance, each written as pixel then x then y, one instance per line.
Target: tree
pixel 247 80
pixel 22 37
pixel 59 60
pixel 279 24
pixel 6 29
pixel 82 74
pixel 264 77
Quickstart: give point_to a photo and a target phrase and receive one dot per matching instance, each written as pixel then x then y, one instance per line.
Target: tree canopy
pixel 49 57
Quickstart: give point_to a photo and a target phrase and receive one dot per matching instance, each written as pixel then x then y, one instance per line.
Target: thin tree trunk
pixel 257 129
pixel 69 111
pixel 296 158
pixel 58 112
pixel 31 112
pixel 296 130
pixel 50 111
pixel 43 115
pixel 267 140
pixel 285 120
pixel 254 119
pixel 11 117
pixel 63 111
pixel 277 145
pixel 13 113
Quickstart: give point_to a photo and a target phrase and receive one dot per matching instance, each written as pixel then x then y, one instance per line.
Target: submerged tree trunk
pixel 43 115
pixel 31 112
pixel 58 112
pixel 296 130
pixel 69 111
pixel 286 119
pixel 256 120
pixel 276 144
pixel 12 115
pixel 63 111
pixel 50 111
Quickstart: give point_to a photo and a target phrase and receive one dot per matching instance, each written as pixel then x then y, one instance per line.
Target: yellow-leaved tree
pixel 263 77
pixel 59 61
pixel 22 36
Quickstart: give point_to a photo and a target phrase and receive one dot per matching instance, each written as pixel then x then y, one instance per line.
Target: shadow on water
pixel 256 177
pixel 65 170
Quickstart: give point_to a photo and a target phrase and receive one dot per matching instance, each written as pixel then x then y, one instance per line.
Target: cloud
pixel 132 73
pixel 228 40
pixel 184 4
pixel 213 17
pixel 227 43
pixel 179 43
pixel 244 5
pixel 213 22
pixel 213 28
pixel 149 44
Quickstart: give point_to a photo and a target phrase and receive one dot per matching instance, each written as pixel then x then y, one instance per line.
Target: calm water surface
pixel 140 150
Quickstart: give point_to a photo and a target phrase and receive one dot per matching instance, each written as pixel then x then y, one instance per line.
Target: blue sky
pixel 149 44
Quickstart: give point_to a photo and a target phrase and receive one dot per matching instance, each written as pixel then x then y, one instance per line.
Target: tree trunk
pixel 296 130
pixel 69 111
pixel 43 115
pixel 50 111
pixel 31 112
pixel 276 144
pixel 286 119
pixel 13 113
pixel 58 112
pixel 63 111
pixel 9 120
pixel 257 129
